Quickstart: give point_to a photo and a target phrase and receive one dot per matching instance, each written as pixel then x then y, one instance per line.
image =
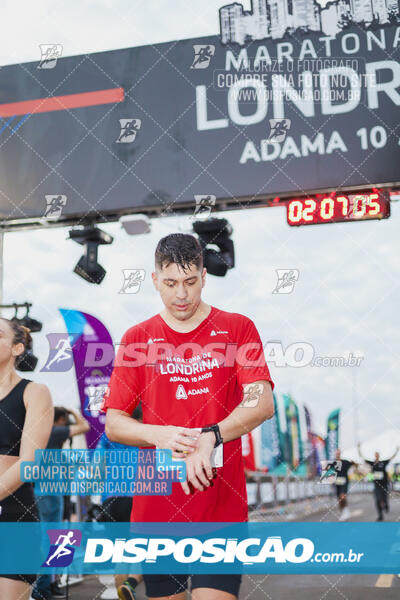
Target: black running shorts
pixel 167 585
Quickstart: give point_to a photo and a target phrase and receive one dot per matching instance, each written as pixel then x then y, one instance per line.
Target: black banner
pixel 231 116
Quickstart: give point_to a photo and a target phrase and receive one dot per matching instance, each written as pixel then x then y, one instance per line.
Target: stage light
pixel 33 324
pixel 91 238
pixel 216 232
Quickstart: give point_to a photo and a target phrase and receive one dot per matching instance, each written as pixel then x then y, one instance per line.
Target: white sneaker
pixel 110 592
pixel 346 513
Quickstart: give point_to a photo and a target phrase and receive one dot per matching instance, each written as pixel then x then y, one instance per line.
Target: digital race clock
pixel 334 208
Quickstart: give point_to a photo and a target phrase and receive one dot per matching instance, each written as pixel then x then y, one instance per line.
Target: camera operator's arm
pixel 80 426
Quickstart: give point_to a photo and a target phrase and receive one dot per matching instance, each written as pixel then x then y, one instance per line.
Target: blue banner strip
pixel 200 547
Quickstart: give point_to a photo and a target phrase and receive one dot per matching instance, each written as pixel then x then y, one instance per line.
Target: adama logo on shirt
pixel 152 340
pixel 217 332
pixel 180 393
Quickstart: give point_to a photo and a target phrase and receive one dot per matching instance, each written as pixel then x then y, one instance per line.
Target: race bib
pixel 340 480
pixel 378 474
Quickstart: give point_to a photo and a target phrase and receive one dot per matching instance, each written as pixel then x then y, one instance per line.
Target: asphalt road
pixel 301 587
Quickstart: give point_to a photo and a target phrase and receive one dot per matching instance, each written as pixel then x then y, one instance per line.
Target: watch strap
pixel 215 429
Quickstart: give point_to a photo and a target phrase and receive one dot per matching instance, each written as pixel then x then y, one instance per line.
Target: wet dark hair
pixel 60 411
pixel 21 334
pixel 182 249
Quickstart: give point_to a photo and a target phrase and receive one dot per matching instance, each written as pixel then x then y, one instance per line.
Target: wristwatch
pixel 217 433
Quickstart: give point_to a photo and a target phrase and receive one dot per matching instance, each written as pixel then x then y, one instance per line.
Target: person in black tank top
pixel 26 418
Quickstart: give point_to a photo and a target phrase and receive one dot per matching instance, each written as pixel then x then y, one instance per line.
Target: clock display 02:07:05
pixel 338 208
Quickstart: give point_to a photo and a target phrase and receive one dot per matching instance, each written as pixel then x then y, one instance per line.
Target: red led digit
pixel 327 213
pixel 373 204
pixel 295 211
pixel 345 204
pixel 310 206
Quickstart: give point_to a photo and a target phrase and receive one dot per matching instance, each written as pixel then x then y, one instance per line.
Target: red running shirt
pixel 190 379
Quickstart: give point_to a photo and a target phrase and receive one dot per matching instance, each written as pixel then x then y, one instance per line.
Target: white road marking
pixel 384 581
pixel 356 513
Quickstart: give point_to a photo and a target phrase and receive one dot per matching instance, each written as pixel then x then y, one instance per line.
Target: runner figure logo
pixel 202 55
pixel 204 205
pixel 95 397
pixel 129 128
pixel 50 53
pixel 279 129
pixel 54 205
pixel 286 280
pixel 132 280
pixel 60 357
pixel 106 395
pixel 251 395
pixel 329 470
pixel 62 547
pixel 358 205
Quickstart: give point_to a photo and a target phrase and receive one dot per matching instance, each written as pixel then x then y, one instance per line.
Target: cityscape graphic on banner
pixel 275 18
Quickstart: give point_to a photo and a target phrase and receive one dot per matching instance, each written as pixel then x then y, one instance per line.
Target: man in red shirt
pixel 191 366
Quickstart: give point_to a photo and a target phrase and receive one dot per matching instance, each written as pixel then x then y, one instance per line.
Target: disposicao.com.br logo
pixel 213 550
pixel 194 548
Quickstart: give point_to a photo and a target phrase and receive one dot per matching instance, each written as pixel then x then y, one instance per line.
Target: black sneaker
pixel 36 595
pixel 126 591
pixel 56 591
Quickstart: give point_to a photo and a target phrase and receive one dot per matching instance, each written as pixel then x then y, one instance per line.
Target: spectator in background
pixel 341 467
pixel 51 508
pixel 381 480
pixel 117 509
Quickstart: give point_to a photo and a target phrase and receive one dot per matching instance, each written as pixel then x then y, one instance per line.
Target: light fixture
pixel 32 324
pixel 91 238
pixel 216 232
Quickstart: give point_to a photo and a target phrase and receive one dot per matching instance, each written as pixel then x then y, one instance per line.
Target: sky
pixel 345 301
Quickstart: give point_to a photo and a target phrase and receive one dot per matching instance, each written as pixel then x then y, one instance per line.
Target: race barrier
pixel 268 491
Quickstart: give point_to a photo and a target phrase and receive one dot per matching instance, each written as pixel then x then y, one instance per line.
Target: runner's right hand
pixel 177 439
